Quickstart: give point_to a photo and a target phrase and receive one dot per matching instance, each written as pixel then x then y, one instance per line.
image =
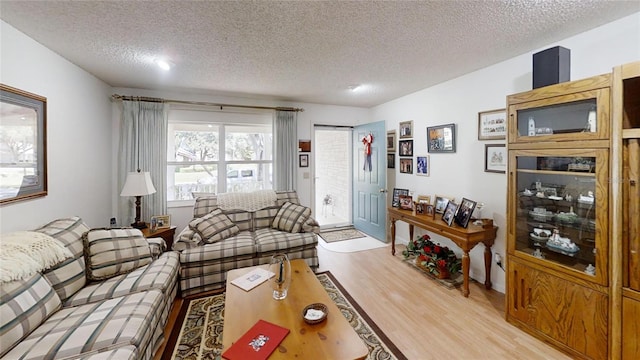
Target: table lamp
pixel 138 184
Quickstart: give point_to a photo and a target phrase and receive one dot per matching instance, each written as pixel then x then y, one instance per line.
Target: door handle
pixel 383 190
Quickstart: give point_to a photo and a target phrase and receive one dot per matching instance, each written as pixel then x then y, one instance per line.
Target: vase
pixel 281 268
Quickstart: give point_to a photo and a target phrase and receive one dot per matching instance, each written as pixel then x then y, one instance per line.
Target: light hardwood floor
pixel 425 319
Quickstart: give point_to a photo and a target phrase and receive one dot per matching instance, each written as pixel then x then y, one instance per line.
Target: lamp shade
pixel 138 184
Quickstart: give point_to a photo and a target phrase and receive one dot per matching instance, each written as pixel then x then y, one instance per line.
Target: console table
pixel 465 239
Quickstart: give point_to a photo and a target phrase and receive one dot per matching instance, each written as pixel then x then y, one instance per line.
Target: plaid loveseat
pixel 63 312
pixel 204 266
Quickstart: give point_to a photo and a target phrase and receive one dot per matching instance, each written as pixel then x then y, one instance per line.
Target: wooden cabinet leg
pixel 410 232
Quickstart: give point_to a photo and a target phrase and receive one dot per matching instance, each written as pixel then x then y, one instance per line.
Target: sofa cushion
pixel 69 276
pixel 24 305
pixel 111 252
pixel 291 217
pixel 161 274
pixel 101 326
pixel 187 239
pixel 214 227
pixel 236 246
pixel 272 240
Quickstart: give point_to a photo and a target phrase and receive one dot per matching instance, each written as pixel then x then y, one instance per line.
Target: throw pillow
pixel 111 252
pixel 214 227
pixel 291 217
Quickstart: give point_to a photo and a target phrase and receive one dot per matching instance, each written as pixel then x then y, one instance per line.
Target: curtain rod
pixel 159 100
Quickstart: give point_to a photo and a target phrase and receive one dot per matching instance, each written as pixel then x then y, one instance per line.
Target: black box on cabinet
pixel 551 66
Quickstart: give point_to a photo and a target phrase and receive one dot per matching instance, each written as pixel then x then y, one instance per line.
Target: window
pixel 213 152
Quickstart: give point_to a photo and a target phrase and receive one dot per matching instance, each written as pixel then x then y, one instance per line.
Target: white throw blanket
pixel 247 201
pixel 24 253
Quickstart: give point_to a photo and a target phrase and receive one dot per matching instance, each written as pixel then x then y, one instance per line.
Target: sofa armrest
pixel 311 225
pixel 157 246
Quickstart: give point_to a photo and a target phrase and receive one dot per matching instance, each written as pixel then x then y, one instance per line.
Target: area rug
pixel 335 235
pixel 200 335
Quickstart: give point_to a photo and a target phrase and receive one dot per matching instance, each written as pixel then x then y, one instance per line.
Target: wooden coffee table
pixel 334 338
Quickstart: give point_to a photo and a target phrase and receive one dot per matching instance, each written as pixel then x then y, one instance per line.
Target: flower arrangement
pixel 438 260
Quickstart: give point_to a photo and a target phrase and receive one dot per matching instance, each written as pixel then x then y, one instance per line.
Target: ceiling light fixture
pixel 164 64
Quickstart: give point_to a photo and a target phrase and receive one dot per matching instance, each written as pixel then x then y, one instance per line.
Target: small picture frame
pixel 161 221
pixel 304 160
pixel 441 203
pixel 419 207
pixel 464 212
pixel 406 165
pixel 425 199
pixel 391 161
pixel 304 145
pixel 492 124
pixel 495 158
pixel 441 139
pixel 396 196
pixel 406 129
pixel 450 213
pixel 391 141
pixel 405 147
pixel 422 165
pixel 430 210
pixel 406 202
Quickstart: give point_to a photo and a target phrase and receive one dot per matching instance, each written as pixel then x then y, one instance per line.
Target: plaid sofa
pixel 61 313
pixel 204 267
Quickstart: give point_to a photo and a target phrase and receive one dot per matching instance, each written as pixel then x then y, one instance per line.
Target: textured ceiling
pixel 307 51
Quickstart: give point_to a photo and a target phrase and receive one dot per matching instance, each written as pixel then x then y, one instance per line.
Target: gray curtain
pixel 286 152
pixel 143 144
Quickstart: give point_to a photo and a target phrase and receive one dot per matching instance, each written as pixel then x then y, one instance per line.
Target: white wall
pixel 312 114
pixel 78 134
pixel 459 101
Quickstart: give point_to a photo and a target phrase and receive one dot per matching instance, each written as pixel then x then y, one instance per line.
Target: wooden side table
pixel 166 233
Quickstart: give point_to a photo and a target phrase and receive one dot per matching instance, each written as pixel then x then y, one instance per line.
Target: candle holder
pixel 281 267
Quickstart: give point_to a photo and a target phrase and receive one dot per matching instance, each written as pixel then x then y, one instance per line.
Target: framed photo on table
pixel 495 158
pixel 396 196
pixel 441 139
pixel 160 222
pixel 464 212
pixel 450 213
pixel 441 203
pixel 492 124
pixel 406 202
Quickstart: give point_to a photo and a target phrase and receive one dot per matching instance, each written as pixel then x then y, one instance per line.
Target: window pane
pixel 248 143
pixel 249 177
pixel 193 142
pixel 184 180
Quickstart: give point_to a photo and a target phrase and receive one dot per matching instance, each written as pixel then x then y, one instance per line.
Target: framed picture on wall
pixel 492 124
pixel 422 165
pixel 406 165
pixel 406 129
pixel 406 147
pixel 495 158
pixel 391 161
pixel 391 141
pixel 441 139
pixel 304 160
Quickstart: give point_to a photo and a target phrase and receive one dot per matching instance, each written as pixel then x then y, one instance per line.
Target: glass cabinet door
pixel 571 117
pixel 560 209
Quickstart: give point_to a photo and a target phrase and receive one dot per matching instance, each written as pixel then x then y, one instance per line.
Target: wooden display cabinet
pixel 558 215
pixel 625 201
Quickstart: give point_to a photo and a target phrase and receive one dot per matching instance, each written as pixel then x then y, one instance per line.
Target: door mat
pixel 334 235
pixel 451 283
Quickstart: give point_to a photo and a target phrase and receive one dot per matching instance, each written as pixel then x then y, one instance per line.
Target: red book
pixel 257 343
